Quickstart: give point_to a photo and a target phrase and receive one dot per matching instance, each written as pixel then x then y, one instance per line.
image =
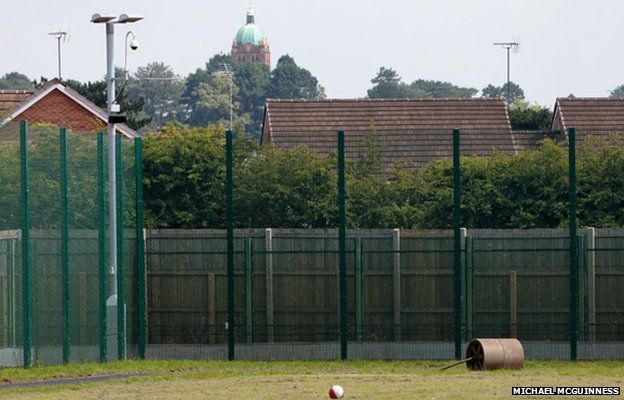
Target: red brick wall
pixel 58 109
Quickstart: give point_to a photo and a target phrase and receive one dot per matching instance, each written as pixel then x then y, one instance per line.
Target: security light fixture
pixel 128 18
pixel 101 18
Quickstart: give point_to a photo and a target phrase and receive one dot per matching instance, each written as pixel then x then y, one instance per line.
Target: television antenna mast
pixel 226 70
pixel 513 46
pixel 62 34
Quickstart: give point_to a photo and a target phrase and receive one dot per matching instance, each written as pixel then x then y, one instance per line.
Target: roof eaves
pixel 72 94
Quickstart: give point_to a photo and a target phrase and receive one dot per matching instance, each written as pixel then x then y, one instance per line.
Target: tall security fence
pixel 399 292
pixel 265 294
pixel 55 281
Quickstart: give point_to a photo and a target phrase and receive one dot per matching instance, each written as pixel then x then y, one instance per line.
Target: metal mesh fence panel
pixel 48 331
pixel 607 281
pixel 187 293
pixel 129 244
pixel 10 249
pixel 520 288
pixel 66 258
pixel 84 245
pixel 287 296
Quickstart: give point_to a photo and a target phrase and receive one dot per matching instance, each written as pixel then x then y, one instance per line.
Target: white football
pixel 336 392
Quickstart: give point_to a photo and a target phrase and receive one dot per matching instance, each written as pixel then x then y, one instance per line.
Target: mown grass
pixel 305 380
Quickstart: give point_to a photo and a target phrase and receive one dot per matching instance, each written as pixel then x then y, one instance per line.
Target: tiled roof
pixel 530 140
pixel 590 116
pixel 412 132
pixel 32 97
pixel 9 99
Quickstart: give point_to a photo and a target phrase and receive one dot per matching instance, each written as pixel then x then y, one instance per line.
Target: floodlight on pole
pixel 112 107
pixel 128 18
pixel 509 46
pixel 226 70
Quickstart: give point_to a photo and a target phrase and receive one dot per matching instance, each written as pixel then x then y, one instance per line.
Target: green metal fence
pixel 53 232
pixel 277 293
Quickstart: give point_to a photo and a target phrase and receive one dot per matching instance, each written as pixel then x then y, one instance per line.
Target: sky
pixel 567 46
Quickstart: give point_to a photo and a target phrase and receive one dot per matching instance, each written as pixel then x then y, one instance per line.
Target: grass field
pixel 302 380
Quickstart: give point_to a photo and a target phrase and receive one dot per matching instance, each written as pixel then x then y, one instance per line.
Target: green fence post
pixel 469 287
pixel 359 283
pixel 229 161
pixel 342 237
pixel 249 288
pixel 140 246
pixel 65 249
pixel 457 242
pixel 121 298
pixel 573 244
pixel 25 186
pixel 103 273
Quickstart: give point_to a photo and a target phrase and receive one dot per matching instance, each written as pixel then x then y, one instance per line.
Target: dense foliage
pixel 618 92
pixel 184 186
pixel 515 92
pixel 526 116
pixel 15 81
pixel 388 85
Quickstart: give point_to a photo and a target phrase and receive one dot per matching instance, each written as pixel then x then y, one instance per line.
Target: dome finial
pixel 250 15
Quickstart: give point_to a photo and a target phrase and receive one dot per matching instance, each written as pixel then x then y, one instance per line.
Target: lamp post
pixel 112 108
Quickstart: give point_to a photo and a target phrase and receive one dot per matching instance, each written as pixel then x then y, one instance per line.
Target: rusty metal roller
pixel 488 354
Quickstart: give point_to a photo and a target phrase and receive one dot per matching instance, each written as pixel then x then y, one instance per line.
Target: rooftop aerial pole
pixel 59 35
pixel 509 46
pixel 226 70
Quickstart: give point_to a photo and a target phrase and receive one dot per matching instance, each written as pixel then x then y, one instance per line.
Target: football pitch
pixel 297 380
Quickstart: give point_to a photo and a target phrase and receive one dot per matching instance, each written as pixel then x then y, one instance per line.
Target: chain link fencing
pixel 292 293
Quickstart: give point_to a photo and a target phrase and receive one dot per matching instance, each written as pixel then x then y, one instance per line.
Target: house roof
pixel 595 116
pixel 412 131
pixel 32 97
pixel 9 99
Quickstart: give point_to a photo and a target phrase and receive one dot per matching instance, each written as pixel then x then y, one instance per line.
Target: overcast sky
pixel 567 46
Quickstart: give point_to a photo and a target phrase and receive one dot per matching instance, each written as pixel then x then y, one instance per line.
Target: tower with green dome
pixel 250 44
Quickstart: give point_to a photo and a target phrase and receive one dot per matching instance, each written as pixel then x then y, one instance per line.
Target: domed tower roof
pixel 250 33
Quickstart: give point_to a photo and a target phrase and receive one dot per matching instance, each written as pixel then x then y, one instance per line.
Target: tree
pixel 15 81
pixel 526 116
pixel 600 182
pixel 291 188
pixel 618 92
pixel 388 84
pixel 252 80
pixel 439 89
pixel 289 81
pixel 162 90
pixel 492 92
pixel 201 75
pixel 213 104
pixel 184 176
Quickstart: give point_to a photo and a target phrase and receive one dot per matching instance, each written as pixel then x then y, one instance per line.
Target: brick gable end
pixel 58 109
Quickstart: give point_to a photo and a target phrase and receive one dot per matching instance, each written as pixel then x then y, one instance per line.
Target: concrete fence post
pixel 591 282
pixel 268 245
pixel 396 247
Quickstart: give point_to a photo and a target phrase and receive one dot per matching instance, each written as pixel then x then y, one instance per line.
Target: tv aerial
pixel 510 47
pixel 62 34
